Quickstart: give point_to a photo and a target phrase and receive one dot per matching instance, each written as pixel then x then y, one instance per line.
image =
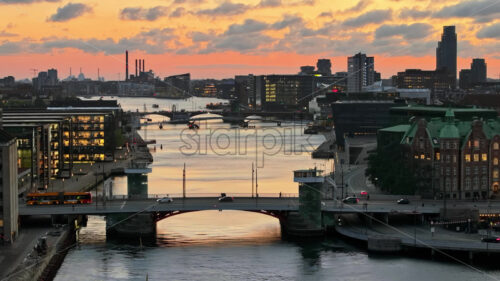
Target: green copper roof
pixel 449 113
pixel 449 131
pixel 397 129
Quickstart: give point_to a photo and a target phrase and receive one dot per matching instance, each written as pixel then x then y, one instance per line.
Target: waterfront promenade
pixel 420 236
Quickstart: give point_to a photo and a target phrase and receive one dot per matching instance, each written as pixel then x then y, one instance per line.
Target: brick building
pixel 455 158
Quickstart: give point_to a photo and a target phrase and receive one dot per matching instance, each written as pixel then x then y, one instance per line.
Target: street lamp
pixel 342 177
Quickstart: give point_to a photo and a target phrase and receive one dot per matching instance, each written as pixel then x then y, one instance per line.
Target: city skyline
pixel 214 39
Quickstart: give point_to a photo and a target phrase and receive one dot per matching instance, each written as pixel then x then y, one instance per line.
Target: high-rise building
pixel 473 76
pixel 464 81
pixel 324 67
pixel 446 52
pixel 45 78
pixel 52 79
pixel 361 72
pixel 244 88
pixel 478 71
pixel 8 187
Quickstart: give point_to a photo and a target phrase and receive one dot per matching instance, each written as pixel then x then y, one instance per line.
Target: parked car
pixel 403 201
pixel 224 198
pixel 491 239
pixel 351 200
pixel 165 200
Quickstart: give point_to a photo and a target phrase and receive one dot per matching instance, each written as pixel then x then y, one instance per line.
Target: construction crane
pixel 35 71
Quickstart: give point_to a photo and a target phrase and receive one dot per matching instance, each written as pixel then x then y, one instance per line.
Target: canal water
pixel 232 245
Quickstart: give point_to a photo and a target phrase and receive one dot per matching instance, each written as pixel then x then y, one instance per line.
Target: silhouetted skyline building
pixel 45 79
pixel 8 81
pixel 435 80
pixel 306 70
pixel 324 67
pixel 361 71
pixel 446 52
pixel 464 81
pixel 244 90
pixel 478 71
pixel 473 76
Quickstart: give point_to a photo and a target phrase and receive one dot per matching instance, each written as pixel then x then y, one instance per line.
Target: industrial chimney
pixel 140 67
pixel 136 68
pixel 126 65
pixel 143 66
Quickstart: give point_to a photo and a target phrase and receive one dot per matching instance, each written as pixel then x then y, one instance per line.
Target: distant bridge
pixel 229 116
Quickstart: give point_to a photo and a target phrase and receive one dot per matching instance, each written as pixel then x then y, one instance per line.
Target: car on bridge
pixel 403 201
pixel 351 200
pixel 224 198
pixel 491 239
pixel 165 200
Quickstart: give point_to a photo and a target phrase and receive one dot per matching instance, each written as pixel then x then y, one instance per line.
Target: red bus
pixel 59 198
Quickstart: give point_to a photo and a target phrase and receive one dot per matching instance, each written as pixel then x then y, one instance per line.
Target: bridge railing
pixel 199 195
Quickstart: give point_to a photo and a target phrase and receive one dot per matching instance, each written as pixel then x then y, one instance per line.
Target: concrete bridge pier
pixel 308 221
pixel 131 225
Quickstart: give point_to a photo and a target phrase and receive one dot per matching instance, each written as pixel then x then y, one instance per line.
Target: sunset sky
pixel 223 38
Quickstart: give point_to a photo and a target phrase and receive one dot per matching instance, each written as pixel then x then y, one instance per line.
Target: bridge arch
pixel 158 216
pixel 206 116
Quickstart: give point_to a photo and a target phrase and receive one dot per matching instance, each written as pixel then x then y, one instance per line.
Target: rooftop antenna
pixel 35 71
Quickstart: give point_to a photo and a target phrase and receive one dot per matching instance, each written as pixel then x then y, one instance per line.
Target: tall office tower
pixel 361 72
pixel 52 79
pixel 478 71
pixel 324 67
pixel 126 65
pixel 446 52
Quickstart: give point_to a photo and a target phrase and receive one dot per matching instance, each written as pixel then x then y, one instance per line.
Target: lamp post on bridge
pixel 253 173
pixel 184 182
pixel 342 177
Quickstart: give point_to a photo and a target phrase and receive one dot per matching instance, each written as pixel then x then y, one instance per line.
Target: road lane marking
pixel 123 205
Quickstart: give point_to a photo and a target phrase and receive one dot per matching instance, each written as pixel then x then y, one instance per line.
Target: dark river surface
pixel 233 245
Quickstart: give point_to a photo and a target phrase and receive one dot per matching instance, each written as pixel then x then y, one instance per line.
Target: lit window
pixel 467 157
pixel 495 173
pixel 438 156
pixel 476 143
pixel 476 157
pixel 484 157
pixel 495 161
pixel 422 156
pixel 495 145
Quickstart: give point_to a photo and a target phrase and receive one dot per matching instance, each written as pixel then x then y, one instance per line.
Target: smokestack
pixel 126 65
pixel 140 67
pixel 143 66
pixel 135 68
